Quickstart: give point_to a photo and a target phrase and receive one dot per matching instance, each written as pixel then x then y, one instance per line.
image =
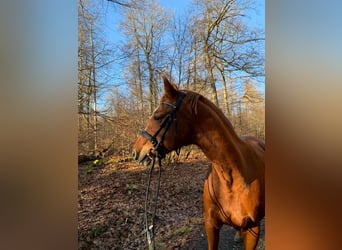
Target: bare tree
pixel 209 49
pixel 228 47
pixel 93 60
pixel 181 46
pixel 86 70
pixel 144 28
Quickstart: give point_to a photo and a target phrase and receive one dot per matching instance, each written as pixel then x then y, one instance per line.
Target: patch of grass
pixel 160 245
pixel 119 159
pixel 131 187
pixel 183 230
pixel 197 220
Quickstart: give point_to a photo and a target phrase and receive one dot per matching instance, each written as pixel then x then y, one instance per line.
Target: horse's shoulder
pixel 254 142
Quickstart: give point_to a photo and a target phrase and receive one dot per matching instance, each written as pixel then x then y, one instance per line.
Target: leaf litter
pixel 111 203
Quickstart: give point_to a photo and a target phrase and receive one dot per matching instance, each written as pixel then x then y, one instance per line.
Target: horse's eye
pixel 157 117
pixel 161 111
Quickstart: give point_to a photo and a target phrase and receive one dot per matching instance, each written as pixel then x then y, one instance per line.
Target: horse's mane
pixel 193 99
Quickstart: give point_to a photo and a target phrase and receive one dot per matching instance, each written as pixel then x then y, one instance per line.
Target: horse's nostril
pixel 134 155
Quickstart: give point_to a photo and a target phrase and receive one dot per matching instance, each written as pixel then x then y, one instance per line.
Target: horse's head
pixel 167 129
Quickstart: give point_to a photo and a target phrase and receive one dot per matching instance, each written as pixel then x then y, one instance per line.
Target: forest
pixel 211 47
pixel 208 48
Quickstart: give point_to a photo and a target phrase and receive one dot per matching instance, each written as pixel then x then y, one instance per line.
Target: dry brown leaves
pixel 111 200
pixel 111 204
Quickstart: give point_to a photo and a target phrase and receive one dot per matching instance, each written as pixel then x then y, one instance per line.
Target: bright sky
pixel 255 18
pixel 177 5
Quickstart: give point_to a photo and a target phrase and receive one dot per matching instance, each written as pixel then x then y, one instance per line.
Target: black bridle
pixel 168 120
pixel 160 153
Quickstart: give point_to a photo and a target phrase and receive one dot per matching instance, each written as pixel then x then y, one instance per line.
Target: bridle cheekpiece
pixel 168 120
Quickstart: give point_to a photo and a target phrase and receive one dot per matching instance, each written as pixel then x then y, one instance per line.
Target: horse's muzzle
pixel 135 155
pixel 144 159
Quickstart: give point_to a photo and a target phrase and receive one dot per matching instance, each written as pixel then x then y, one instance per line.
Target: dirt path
pixel 111 207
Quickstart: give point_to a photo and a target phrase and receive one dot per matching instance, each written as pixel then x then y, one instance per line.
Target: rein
pixel 150 229
pixel 160 154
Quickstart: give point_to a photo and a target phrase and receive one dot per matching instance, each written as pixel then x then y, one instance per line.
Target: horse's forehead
pixel 165 98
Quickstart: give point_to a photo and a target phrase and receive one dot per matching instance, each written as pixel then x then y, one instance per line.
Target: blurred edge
pixel 303 124
pixel 38 184
pixel 38 129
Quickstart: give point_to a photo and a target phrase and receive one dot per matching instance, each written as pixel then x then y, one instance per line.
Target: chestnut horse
pixel 233 192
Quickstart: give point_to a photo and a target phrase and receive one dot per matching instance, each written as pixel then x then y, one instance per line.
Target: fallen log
pixel 84 158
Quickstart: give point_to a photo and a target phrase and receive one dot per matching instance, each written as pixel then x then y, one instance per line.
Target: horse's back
pixel 257 144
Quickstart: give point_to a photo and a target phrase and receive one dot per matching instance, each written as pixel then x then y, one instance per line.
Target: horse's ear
pixel 170 89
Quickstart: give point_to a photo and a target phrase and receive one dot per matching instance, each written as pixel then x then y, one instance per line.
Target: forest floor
pixel 111 199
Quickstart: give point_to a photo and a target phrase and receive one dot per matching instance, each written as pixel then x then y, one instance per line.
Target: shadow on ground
pixel 111 200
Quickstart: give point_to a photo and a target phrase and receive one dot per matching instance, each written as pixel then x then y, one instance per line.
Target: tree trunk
pixel 93 73
pixel 211 77
pixel 152 87
pixel 195 65
pixel 225 92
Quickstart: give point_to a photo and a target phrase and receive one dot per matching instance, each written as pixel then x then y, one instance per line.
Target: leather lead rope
pixel 158 147
pixel 150 228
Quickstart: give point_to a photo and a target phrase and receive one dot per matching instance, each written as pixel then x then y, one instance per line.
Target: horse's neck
pixel 217 138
